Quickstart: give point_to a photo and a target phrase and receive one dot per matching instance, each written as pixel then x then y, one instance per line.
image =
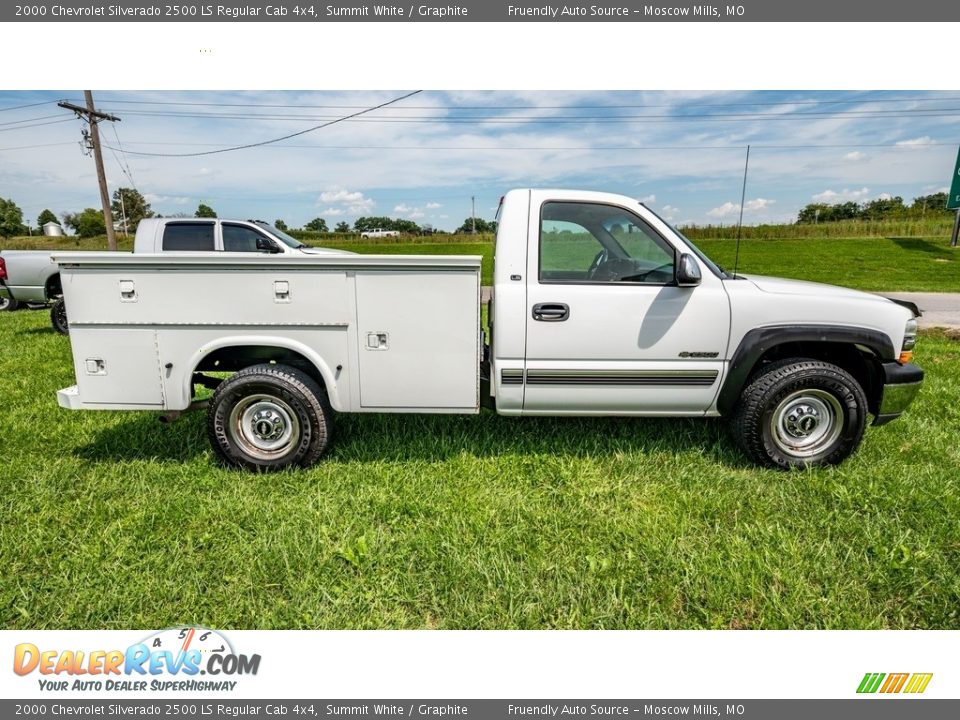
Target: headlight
pixel 910 334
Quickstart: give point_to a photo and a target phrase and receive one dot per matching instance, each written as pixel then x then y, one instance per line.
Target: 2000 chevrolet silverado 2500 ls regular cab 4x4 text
pixel 599 308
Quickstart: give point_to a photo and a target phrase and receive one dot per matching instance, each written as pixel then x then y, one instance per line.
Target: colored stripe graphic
pixel 870 682
pixel 918 683
pixel 894 682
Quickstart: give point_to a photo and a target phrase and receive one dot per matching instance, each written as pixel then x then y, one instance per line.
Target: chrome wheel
pixel 806 422
pixel 4 303
pixel 264 426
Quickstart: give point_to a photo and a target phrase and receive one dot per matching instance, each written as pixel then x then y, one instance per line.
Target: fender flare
pixel 759 341
pixel 311 355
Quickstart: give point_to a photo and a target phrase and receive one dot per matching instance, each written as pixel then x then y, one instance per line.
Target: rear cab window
pixel 189 237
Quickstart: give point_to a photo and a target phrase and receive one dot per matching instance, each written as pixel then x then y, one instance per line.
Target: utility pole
pixel 956 230
pixel 473 215
pixel 93 117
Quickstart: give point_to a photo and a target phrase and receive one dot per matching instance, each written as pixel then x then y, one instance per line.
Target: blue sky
pixel 423 158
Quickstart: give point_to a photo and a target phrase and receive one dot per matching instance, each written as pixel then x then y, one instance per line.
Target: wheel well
pixel 238 357
pixel 53 287
pixel 861 362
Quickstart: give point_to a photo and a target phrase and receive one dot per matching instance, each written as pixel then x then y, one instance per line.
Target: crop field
pixel 111 520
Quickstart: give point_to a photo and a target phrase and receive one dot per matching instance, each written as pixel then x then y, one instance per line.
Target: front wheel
pixel 800 413
pixel 8 304
pixel 58 317
pixel 269 417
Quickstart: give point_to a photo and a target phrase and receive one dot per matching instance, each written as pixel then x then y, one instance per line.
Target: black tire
pixel 800 413
pixel 269 417
pixel 58 317
pixel 8 304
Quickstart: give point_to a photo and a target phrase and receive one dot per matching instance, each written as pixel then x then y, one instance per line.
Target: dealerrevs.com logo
pixel 172 659
pixel 890 683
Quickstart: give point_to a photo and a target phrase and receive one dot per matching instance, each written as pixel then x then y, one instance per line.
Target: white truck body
pixel 370 325
pixel 599 308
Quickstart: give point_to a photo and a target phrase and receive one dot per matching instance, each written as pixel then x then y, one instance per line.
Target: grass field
pixel 877 263
pixel 111 520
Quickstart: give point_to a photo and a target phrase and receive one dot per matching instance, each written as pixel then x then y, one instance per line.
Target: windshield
pixel 279 234
pixel 716 269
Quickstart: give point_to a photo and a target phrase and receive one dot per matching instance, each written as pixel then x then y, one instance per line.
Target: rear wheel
pixel 800 413
pixel 8 304
pixel 269 417
pixel 58 317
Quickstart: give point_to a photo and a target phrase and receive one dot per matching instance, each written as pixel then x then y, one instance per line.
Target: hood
pixel 783 286
pixel 325 251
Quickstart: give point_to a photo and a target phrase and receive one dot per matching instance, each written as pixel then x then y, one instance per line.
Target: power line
pixel 26 127
pixel 279 139
pixel 578 120
pixel 553 148
pixel 22 107
pixel 847 101
pixel 31 147
pixel 26 120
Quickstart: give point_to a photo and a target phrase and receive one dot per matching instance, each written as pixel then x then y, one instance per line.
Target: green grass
pixel 864 263
pixel 111 520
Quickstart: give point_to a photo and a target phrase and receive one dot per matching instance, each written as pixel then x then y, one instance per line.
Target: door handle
pixel 551 312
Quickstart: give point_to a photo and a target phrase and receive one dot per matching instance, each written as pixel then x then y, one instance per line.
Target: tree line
pixel 129 207
pixel 892 208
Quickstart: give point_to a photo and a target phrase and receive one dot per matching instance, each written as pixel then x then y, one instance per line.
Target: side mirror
pixel 688 271
pixel 267 245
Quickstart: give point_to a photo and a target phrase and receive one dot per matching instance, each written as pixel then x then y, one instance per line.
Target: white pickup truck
pixel 599 308
pixel 379 233
pixel 30 277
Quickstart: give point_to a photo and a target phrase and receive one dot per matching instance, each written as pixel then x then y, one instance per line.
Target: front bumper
pixel 901 383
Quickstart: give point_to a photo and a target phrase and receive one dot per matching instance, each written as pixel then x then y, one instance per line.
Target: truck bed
pixel 387 333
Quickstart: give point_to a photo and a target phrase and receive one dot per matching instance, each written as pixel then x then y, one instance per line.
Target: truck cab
pixel 160 235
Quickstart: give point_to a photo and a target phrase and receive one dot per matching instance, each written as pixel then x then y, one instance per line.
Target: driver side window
pixel 592 243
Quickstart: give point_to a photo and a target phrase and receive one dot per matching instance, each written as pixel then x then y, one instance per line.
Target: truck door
pixel 608 329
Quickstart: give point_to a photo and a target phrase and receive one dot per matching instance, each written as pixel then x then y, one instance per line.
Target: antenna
pixel 743 199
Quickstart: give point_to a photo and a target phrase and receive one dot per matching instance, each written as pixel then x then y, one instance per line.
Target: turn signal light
pixel 905 357
pixel 3 269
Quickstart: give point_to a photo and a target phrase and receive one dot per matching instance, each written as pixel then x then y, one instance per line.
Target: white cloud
pixel 413 213
pixel 166 199
pixel 831 197
pixel 758 204
pixel 353 202
pixel 340 196
pixel 648 199
pixel 884 196
pixel 669 211
pixel 855 156
pixel 728 208
pixel 433 205
pixel 335 212
pixel 732 208
pixel 916 142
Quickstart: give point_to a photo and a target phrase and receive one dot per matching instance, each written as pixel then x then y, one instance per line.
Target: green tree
pixel 88 223
pixel 280 225
pixel 11 219
pixel 134 207
pixel 342 227
pixel 45 217
pixel 483 226
pixel 317 224
pixel 935 204
pixel 204 211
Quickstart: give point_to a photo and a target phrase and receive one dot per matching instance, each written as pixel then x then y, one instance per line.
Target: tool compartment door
pixel 117 366
pixel 418 340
